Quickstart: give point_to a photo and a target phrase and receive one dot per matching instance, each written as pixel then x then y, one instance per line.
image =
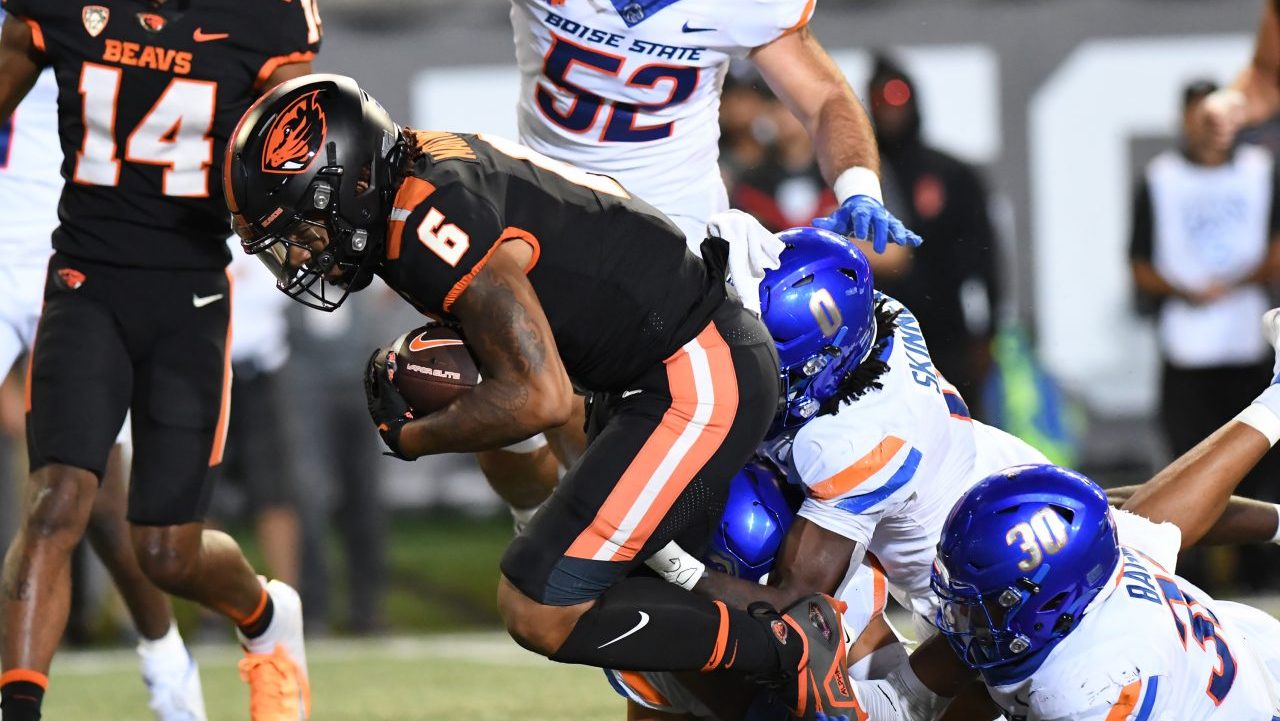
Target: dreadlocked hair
pixel 865 377
pixel 413 152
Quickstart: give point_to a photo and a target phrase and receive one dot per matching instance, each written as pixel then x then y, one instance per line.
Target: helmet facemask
pixel 309 179
pixel 315 255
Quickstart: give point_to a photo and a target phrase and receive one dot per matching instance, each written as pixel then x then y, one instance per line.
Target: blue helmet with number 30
pixel 1022 554
pixel 819 306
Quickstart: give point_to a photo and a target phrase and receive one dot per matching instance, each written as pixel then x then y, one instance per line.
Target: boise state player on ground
pixel 553 274
pixel 757 513
pixel 1070 610
pixel 136 313
pixel 29 189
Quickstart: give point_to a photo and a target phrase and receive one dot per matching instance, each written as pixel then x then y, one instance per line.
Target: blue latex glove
pixel 824 717
pixel 862 217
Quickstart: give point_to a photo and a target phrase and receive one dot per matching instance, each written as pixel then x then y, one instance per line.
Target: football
pixel 433 366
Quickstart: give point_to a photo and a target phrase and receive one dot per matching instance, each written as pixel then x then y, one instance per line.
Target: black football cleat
pixel 812 636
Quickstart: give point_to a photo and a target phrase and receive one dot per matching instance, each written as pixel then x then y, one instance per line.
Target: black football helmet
pixel 316 153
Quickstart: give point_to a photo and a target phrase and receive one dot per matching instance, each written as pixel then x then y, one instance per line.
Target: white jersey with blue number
pixel 30 182
pixel 1153 647
pixel 887 468
pixel 631 89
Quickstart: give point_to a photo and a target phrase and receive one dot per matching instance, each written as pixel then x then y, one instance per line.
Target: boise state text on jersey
pixel 632 88
pixel 148 97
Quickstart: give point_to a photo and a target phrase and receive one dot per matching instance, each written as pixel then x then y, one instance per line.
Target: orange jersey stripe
pixel 643 472
pixel 272 64
pixel 513 233
pixel 629 487
pixel 224 412
pixel 1126 703
pixel 859 471
pixel 642 688
pixel 412 192
pixel 725 387
pixel 462 284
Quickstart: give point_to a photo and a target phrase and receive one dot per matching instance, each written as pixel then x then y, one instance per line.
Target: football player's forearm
pixel 1243 521
pixel 493 414
pixel 1209 473
pixel 811 85
pixel 842 136
pixel 525 388
pixel 740 593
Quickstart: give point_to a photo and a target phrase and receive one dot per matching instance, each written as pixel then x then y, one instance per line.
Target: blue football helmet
pixel 756 517
pixel 1022 554
pixel 819 306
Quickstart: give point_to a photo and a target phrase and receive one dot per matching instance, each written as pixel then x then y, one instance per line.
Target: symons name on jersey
pixel 632 88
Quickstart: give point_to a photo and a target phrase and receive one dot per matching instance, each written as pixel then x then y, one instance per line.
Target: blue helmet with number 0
pixel 1022 554
pixel 819 306
pixel 756 517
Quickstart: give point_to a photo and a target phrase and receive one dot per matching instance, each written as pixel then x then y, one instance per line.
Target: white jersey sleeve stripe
pixel 857 473
pixel 860 503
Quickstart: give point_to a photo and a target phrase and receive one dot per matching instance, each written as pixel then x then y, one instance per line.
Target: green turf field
pixel 471 677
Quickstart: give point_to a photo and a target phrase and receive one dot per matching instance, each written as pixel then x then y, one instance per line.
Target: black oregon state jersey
pixel 148 94
pixel 613 275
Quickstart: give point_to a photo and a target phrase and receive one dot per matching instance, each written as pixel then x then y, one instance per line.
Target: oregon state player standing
pixel 631 89
pixel 553 274
pixel 136 313
pixel 29 188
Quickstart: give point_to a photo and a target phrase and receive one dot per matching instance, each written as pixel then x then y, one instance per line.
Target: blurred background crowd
pixel 1093 257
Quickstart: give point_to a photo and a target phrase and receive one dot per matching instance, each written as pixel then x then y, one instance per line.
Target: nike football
pixel 433 366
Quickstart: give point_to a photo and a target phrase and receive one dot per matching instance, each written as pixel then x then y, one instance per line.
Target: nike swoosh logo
pixel 687 29
pixel 628 394
pixel 201 36
pixel 199 302
pixel 644 621
pixel 418 344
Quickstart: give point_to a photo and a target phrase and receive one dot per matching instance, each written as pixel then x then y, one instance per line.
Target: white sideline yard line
pixel 494 648
pixel 490 647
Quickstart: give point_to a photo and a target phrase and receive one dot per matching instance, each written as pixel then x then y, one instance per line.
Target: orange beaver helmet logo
pixel 295 137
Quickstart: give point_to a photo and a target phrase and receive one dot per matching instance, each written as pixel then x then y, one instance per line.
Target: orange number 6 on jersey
pixel 447 241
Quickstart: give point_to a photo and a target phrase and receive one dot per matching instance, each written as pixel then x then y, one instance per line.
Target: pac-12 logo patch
pixel 295 136
pixel 95 19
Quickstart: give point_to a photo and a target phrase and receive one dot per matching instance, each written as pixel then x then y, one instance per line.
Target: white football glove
pixel 1271 331
pixel 753 250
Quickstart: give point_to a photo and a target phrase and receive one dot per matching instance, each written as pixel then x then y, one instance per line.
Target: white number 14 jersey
pixel 631 88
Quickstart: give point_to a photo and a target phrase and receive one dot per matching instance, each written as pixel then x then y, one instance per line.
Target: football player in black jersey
pixel 136 313
pixel 557 277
